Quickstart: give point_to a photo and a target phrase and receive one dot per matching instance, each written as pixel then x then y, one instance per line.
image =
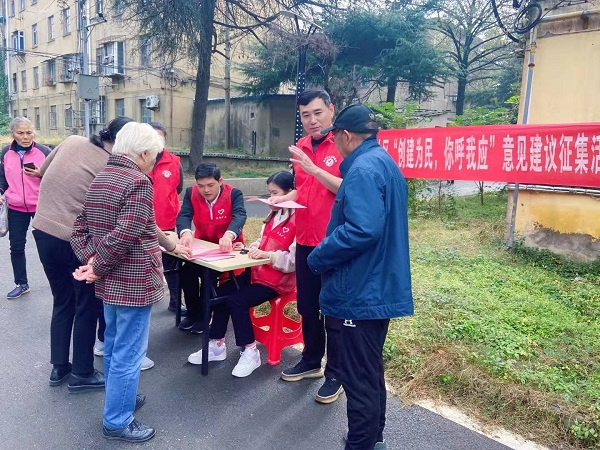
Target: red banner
pixel 558 155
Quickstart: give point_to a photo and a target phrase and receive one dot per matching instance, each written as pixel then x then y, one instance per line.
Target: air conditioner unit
pixel 94 120
pixel 152 102
pixel 108 60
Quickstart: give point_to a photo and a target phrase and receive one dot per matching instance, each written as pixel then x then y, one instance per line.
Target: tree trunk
pixel 460 97
pixel 391 90
pixel 207 8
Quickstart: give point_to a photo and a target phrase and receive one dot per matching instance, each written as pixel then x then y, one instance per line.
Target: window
pixel 120 107
pixel 146 114
pixel 98 111
pixel 37 119
pixel 15 113
pixel 66 19
pixel 110 59
pixel 12 8
pixel 49 72
pixel 23 80
pixel 68 116
pixel 99 7
pixel 145 51
pixel 36 77
pixel 119 7
pixel 24 113
pixel 21 5
pixel 18 40
pixel 15 86
pixel 33 2
pixel 51 28
pixel 34 35
pixel 52 116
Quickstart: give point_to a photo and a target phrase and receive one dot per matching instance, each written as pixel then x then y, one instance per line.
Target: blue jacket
pixel 364 260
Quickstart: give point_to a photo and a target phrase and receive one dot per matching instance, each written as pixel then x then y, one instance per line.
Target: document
pixel 290 204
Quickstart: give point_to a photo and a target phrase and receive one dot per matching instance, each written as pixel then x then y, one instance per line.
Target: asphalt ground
pixel 188 410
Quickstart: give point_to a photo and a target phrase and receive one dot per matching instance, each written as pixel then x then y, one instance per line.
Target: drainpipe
pixel 524 121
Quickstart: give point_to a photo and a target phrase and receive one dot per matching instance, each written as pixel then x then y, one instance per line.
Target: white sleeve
pixel 285 261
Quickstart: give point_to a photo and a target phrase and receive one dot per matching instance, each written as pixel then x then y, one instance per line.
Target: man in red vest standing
pixel 167 177
pixel 218 213
pixel 316 165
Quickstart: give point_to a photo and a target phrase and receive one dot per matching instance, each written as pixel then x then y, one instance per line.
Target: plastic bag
pixel 3 217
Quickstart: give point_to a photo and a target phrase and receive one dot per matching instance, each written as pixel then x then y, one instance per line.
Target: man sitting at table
pixel 218 213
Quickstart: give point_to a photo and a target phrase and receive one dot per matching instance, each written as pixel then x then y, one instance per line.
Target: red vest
pixel 213 229
pixel 166 178
pixel 313 220
pixel 275 238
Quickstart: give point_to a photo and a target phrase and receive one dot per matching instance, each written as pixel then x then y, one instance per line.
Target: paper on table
pixel 209 258
pixel 290 204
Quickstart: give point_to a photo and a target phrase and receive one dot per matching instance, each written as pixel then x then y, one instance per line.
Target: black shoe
pixel 79 384
pixel 198 327
pixel 186 324
pixel 135 432
pixel 379 445
pixel 330 391
pixel 140 400
pixel 300 371
pixel 59 374
pixel 173 308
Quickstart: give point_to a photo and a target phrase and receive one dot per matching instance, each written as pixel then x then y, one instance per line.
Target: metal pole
pixel 300 85
pixel 7 55
pixel 525 120
pixel 227 82
pixel 85 61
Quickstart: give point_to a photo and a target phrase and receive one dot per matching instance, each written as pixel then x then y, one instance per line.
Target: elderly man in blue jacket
pixel 365 268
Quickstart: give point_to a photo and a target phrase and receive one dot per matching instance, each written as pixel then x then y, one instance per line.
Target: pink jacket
pixel 21 190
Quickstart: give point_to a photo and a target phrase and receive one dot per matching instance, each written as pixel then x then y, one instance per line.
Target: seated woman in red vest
pixel 218 213
pixel 278 242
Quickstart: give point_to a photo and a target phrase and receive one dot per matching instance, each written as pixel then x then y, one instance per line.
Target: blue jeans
pixel 18 223
pixel 125 345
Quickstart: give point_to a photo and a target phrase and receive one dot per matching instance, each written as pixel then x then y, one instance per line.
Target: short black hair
pixel 109 134
pixel 207 170
pixel 160 127
pixel 283 179
pixel 310 94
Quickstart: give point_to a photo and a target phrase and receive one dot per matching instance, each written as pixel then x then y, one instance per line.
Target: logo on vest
pixel 283 231
pixel 166 173
pixel 221 211
pixel 330 160
pixel 349 323
pixel 286 229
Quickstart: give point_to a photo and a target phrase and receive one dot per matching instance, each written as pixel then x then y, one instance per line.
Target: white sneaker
pixel 248 363
pixel 99 348
pixel 147 363
pixel 215 353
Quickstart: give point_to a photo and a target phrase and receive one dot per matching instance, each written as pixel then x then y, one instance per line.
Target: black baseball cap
pixel 357 118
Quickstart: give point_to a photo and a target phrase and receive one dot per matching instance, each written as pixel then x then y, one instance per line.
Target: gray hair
pixel 19 121
pixel 135 138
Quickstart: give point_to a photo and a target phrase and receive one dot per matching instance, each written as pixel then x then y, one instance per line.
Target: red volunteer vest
pixel 312 221
pixel 165 177
pixel 213 229
pixel 275 238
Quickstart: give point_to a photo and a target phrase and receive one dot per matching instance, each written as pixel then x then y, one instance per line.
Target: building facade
pixel 45 54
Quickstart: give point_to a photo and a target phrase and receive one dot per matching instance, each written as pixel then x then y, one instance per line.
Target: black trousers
pixel 190 285
pixel 18 223
pixel 171 275
pixel 314 325
pixel 238 306
pixel 363 381
pixel 75 309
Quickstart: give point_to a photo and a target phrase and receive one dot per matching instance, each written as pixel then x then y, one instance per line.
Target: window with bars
pixel 68 116
pixel 145 113
pixel 52 116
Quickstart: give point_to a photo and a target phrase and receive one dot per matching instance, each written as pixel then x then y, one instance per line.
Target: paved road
pixel 189 411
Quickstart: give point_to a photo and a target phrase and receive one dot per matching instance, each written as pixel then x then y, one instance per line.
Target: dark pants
pixel 238 305
pixel 18 223
pixel 101 321
pixel 313 324
pixel 75 307
pixel 172 276
pixel 363 381
pixel 190 285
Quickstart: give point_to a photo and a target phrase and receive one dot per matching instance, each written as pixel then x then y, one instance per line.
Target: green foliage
pixel 484 115
pixel 4 122
pixel 391 118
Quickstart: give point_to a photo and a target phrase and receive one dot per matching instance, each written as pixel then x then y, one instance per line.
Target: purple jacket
pixel 21 190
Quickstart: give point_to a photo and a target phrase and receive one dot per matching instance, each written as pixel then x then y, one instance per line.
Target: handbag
pixel 3 217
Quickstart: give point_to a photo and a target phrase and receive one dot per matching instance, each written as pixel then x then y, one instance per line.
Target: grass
pixel 512 337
